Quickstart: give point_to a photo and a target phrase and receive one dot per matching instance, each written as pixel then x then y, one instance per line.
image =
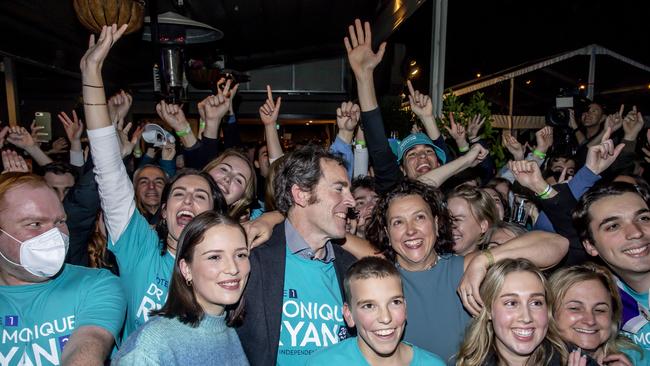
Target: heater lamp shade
pixel 95 14
pixel 195 32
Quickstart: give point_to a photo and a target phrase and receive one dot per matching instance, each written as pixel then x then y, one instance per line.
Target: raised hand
pixel 633 124
pixel 168 151
pixel 474 126
pixel 59 146
pixel 544 138
pixel 19 137
pixel 93 59
pixel 527 173
pixel 269 110
pixel 362 58
pixel 3 135
pixel 347 118
pixel 476 155
pixel 420 103
pixel 173 115
pixel 36 135
pixel 457 131
pixel 128 144
pixel 119 105
pixel 615 121
pixel 213 108
pixel 12 162
pixel 514 146
pixel 602 156
pixel 74 127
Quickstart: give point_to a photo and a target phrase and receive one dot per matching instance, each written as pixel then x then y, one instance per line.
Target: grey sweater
pixel 164 341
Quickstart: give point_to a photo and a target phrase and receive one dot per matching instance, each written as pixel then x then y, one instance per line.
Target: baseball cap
pixel 156 135
pixel 419 139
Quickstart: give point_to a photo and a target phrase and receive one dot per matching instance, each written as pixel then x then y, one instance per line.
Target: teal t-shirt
pixel 642 336
pixel 347 352
pixel 38 319
pixel 144 273
pixel 311 311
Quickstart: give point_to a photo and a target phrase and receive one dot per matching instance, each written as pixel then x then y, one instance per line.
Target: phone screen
pixel 44 119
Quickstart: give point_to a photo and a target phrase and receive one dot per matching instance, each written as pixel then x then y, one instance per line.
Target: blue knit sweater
pixel 164 341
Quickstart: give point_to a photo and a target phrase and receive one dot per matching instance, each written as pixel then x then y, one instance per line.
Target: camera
pixel 559 115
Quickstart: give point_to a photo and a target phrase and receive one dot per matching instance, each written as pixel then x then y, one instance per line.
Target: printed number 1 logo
pixel 11 320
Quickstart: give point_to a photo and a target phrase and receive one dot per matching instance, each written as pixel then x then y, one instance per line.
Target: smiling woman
pixel 235 176
pixel 194 325
pixel 588 311
pixel 513 328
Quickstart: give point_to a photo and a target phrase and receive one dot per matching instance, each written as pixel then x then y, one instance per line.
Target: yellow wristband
pixel 489 256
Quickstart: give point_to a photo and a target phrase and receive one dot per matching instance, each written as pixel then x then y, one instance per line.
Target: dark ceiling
pixel 482 36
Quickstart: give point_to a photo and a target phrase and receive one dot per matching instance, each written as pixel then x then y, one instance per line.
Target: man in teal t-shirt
pixel 294 293
pixel 376 307
pixel 51 314
pixel 613 222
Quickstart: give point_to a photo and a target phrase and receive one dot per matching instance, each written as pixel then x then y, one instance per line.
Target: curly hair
pixel 377 231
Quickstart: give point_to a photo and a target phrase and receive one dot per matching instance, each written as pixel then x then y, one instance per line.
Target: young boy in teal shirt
pixel 376 307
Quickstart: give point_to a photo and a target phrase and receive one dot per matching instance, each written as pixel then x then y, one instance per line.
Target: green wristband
pixel 539 154
pixel 547 192
pixel 201 123
pixel 361 143
pixel 463 149
pixel 185 132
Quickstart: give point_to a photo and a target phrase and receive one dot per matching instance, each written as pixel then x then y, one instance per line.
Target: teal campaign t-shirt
pixel 348 353
pixel 38 319
pixel 144 273
pixel 311 311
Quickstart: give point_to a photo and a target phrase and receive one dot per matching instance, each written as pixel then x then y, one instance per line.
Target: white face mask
pixel 42 255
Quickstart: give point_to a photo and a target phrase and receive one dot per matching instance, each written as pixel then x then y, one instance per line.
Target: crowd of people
pixel 359 253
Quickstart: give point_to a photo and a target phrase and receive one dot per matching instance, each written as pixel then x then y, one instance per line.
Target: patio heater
pixel 172 32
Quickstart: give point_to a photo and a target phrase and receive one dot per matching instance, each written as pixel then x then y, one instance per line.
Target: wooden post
pixel 12 91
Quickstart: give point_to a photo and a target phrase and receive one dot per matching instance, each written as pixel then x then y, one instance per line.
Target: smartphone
pixel 44 119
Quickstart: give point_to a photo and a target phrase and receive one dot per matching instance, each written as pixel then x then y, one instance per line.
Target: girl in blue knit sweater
pixel 194 325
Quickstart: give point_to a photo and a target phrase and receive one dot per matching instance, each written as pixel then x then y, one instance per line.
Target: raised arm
pixel 347 118
pixel 439 175
pixel 269 112
pixel 74 128
pixel 423 108
pixel 213 108
pixel 363 62
pixel 19 137
pixel 115 187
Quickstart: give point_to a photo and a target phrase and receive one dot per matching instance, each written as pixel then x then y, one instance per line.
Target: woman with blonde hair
pixel 514 327
pixel 587 312
pixel 473 212
pixel 235 176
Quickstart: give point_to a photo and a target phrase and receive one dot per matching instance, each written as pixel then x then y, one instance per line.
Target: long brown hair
pixel 181 302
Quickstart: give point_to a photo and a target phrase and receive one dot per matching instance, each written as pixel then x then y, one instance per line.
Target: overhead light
pixel 413 63
pixel 582 87
pixel 528 82
pixel 478 74
pixel 195 32
pixel 415 71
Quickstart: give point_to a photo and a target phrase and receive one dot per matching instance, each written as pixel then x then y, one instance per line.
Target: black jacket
pixel 260 332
